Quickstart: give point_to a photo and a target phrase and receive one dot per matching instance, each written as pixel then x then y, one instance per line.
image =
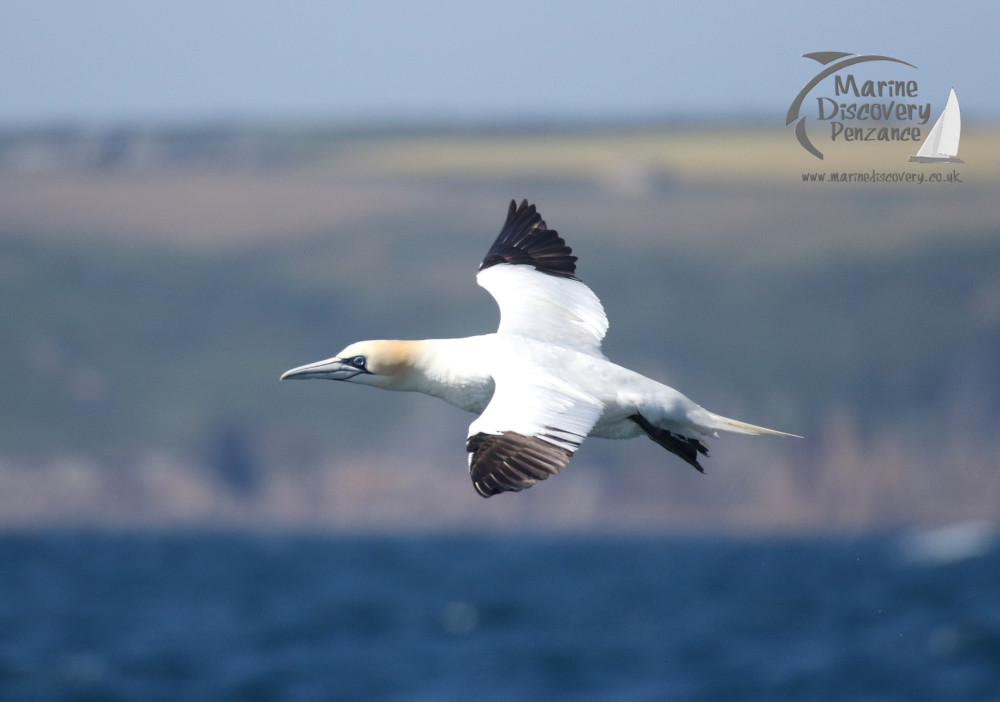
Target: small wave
pixel 949 544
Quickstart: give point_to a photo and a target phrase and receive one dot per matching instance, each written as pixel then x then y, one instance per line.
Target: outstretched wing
pixel 530 272
pixel 529 430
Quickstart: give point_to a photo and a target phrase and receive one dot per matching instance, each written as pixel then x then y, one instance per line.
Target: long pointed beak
pixel 330 369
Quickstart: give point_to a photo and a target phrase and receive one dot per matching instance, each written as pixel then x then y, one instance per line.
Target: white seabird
pixel 540 384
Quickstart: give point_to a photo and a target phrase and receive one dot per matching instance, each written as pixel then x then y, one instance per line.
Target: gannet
pixel 540 384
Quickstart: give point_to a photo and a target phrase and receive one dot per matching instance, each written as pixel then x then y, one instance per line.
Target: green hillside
pixel 153 310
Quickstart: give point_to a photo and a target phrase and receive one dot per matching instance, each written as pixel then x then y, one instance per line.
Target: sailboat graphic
pixel 941 145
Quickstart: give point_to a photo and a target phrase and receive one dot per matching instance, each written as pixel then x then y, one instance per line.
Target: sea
pixel 208 616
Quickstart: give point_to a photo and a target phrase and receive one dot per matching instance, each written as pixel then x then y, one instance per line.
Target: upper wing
pixel 529 430
pixel 529 271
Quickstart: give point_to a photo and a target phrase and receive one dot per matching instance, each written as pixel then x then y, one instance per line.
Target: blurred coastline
pixel 156 282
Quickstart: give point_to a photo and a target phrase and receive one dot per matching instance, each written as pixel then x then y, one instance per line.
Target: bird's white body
pixel 540 384
pixel 461 372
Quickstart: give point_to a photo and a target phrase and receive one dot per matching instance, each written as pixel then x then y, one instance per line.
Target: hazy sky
pixel 189 60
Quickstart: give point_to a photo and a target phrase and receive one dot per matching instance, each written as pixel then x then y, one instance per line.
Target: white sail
pixel 941 145
pixel 951 126
pixel 930 145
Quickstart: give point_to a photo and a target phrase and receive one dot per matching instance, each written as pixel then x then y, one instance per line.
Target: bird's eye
pixel 358 361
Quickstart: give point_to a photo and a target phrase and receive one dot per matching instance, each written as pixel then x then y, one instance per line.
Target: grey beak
pixel 330 369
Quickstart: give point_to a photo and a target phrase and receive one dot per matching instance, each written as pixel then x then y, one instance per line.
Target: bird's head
pixel 383 364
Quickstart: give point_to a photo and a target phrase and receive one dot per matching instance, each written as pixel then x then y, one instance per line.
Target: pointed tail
pixel 738 427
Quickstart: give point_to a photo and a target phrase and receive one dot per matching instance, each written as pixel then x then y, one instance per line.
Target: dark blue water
pixel 233 617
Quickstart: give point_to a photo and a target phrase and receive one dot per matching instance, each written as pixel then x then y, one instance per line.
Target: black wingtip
pixel 511 462
pixel 526 240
